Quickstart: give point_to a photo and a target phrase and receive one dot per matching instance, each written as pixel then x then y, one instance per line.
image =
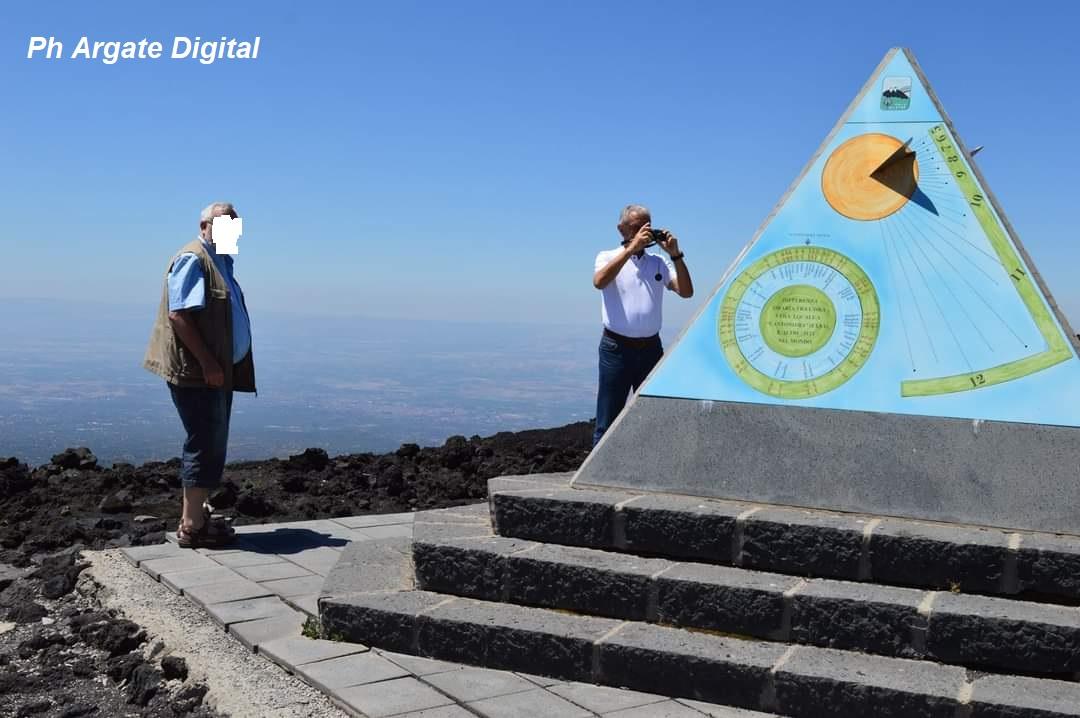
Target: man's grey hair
pixel 632 210
pixel 214 209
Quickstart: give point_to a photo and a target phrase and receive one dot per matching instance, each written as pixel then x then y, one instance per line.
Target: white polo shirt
pixel 632 303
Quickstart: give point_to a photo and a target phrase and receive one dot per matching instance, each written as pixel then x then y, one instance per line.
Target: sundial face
pixel 799 322
pixel 885 280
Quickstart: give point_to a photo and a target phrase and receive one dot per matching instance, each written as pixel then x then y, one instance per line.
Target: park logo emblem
pixel 896 93
pixel 885 293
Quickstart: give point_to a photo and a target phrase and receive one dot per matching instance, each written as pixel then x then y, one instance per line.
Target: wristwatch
pixel 681 255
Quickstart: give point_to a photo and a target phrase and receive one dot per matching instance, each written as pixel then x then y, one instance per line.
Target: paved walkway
pixel 263 589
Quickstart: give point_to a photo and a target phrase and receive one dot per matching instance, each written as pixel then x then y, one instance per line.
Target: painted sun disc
pixel 857 186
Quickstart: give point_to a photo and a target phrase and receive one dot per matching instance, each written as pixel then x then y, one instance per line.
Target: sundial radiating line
pixel 908 241
pixel 963 277
pixel 917 241
pixel 914 297
pixel 965 256
pixel 899 298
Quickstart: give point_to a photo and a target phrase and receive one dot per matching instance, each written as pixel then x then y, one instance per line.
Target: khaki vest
pixel 167 356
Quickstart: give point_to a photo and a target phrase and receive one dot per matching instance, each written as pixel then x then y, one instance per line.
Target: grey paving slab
pixel 273 571
pixel 238 559
pixel 441 712
pixel 299 586
pixel 138 554
pixel 317 560
pixel 603 699
pixel 254 633
pixel 322 526
pixel 235 590
pixel 378 532
pixel 351 670
pixel 247 610
pixel 308 603
pixel 359 522
pixel 183 580
pixel 260 528
pixel 420 666
pixel 544 681
pixel 389 698
pixel 665 709
pixel 294 651
pixel 714 711
pixel 187 561
pixel 473 684
pixel 537 703
pixel 473 513
pixel 234 547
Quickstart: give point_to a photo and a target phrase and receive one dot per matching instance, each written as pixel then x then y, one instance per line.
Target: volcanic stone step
pixel 788 540
pixel 798 681
pixel 978 631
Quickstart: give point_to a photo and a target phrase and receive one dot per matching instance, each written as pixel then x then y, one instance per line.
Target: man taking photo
pixel 632 283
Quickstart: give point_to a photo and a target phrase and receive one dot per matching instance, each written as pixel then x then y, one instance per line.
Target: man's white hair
pixel 632 210
pixel 215 209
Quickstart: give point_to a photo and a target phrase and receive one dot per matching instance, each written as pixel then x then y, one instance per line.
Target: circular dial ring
pixel 799 322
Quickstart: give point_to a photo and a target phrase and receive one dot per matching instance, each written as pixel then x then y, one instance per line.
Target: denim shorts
pixel 205 414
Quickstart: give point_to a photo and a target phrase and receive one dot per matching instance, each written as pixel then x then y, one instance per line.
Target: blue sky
pixel 467 160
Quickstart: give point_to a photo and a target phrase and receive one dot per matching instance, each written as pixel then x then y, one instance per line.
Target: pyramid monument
pixel 884 344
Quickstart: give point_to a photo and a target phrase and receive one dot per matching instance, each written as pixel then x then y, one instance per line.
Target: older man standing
pixel 201 346
pixel 633 283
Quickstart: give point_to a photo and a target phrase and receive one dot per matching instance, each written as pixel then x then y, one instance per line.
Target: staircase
pixel 763 608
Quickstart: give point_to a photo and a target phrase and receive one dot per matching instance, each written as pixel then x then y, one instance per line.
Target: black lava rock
pixel 38 641
pixel 174 667
pixel 116 636
pixel 188 698
pixel 26 613
pixel 14 477
pixel 120 668
pixel 33 707
pixel 80 458
pixel 407 451
pixel 253 504
pixel 143 685
pixel 225 495
pixel 309 460
pixel 116 502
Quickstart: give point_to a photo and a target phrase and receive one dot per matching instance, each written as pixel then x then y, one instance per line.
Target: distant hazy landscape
pixel 70 375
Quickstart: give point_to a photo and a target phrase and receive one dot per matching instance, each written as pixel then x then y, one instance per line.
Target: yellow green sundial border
pixel 845 369
pixel 1057 349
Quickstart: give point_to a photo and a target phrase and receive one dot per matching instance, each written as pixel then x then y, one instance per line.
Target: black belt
pixel 632 341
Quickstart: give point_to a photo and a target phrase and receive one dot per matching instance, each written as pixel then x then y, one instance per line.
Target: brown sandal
pixel 223 525
pixel 211 534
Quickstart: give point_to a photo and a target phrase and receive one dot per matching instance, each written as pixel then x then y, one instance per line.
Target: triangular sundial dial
pixel 886 283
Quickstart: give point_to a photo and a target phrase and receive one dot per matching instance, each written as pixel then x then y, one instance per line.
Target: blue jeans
pixel 205 414
pixel 622 367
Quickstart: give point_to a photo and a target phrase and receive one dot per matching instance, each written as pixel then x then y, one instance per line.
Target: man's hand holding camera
pixel 642 239
pixel 667 241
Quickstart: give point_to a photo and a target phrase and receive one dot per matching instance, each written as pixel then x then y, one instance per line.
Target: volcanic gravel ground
pixel 62 655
